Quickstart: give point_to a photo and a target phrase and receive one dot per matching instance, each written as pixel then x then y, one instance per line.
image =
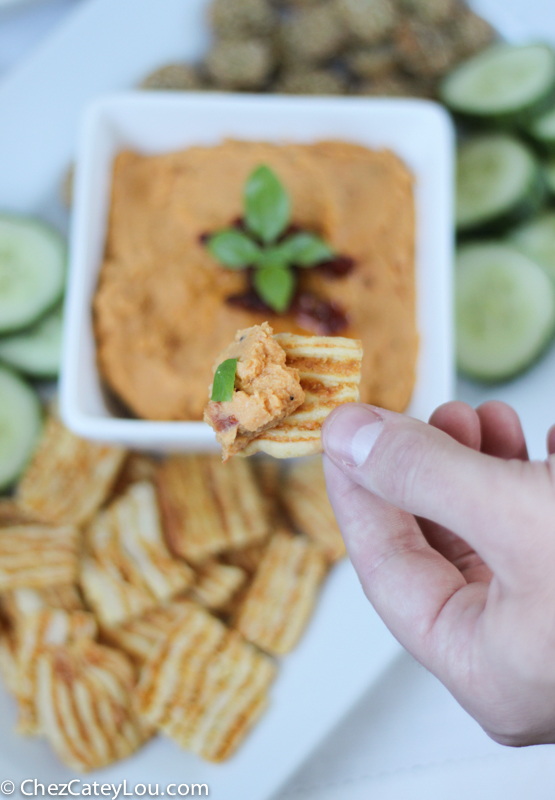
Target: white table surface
pixel 407 739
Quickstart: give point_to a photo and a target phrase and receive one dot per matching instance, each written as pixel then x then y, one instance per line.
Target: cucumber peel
pixel 20 426
pixel 548 171
pixel 32 271
pixel 504 84
pixel 505 311
pixel 36 351
pixel 542 131
pixel 499 183
pixel 536 239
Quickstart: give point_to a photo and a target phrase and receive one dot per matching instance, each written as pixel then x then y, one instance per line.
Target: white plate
pixel 420 132
pixel 108 46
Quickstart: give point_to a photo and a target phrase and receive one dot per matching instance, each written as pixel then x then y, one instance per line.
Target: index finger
pixel 424 471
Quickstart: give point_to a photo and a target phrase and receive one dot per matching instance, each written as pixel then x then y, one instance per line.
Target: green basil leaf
pixel 272 257
pixel 224 381
pixel 233 249
pixel 267 205
pixel 276 286
pixel 305 250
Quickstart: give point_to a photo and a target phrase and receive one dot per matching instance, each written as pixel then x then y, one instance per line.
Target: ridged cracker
pixel 205 686
pixel 85 704
pixel 140 637
pixel 127 568
pixel 69 478
pixel 12 514
pixel 136 468
pixel 8 666
pixel 305 497
pixel 22 602
pixel 282 595
pixel 38 556
pixel 32 634
pixel 248 558
pixel 330 369
pixel 209 507
pixel 217 584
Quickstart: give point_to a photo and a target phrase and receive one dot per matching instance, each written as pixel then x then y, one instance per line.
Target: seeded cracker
pixel 127 568
pixel 305 497
pixel 85 703
pixel 329 369
pixel 205 686
pixel 281 598
pixel 68 478
pixel 208 507
pixel 38 556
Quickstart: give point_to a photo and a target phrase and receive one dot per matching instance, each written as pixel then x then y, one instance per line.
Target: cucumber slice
pixel 542 131
pixel 548 171
pixel 505 311
pixel 32 271
pixel 37 350
pixel 20 425
pixel 504 83
pixel 536 239
pixel 499 182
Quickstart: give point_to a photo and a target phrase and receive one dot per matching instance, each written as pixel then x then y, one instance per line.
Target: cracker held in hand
pixel 38 556
pixel 209 508
pixel 68 478
pixel 281 598
pixel 306 500
pixel 85 704
pixel 205 686
pixel 265 390
pixel 127 568
pixel 329 370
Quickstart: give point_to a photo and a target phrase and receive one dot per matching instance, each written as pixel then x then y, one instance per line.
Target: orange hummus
pixel 160 310
pixel 266 390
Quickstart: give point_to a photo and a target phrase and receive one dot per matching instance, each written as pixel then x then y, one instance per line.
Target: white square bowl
pixel 418 131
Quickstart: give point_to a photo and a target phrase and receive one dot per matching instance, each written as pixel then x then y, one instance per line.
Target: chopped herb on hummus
pixel 224 381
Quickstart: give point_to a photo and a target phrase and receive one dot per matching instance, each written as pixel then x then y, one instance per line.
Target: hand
pixel 451 530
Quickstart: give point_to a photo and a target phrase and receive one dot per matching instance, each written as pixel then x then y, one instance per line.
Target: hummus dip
pixel 160 310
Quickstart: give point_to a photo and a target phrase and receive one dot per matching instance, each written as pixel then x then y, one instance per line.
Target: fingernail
pixel 350 434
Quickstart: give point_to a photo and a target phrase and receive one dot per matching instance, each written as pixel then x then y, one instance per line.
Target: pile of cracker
pixel 331 47
pixel 141 596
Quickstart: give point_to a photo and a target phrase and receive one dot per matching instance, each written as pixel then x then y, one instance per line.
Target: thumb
pixel 422 470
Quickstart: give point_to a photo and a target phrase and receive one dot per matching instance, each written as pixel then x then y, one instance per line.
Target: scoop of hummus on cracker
pixel 263 389
pixel 272 393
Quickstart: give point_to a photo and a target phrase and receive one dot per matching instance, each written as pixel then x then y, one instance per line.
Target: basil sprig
pixel 235 250
pixel 275 286
pixel 267 215
pixel 224 381
pixel 267 205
